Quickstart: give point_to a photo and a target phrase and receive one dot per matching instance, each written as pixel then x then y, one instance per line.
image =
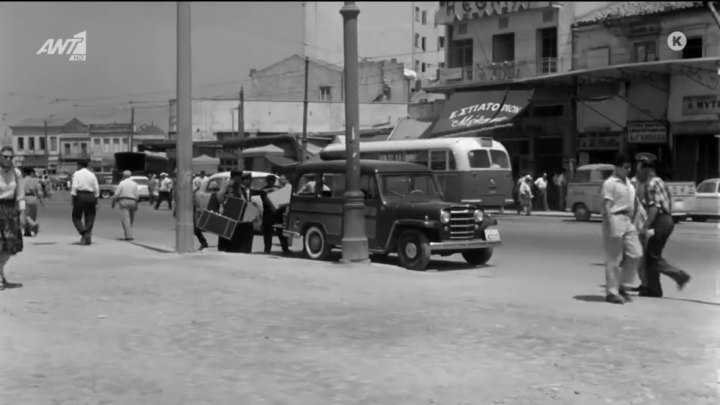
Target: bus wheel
pixel 581 212
pixel 478 257
pixel 414 250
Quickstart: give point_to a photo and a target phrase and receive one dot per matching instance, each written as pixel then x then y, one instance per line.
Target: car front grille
pixel 462 222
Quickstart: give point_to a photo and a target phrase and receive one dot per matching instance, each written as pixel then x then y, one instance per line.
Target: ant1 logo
pixel 677 41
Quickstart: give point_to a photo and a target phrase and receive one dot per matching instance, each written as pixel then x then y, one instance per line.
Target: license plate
pixel 492 235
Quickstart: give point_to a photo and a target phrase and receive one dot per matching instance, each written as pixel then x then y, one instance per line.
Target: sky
pixel 131 55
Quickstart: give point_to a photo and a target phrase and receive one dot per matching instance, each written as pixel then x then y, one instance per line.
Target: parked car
pixel 212 185
pixel 707 201
pixel 405 212
pixel 142 182
pixel 584 195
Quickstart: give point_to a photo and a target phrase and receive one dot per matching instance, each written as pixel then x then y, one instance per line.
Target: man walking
pixel 126 197
pixel 153 186
pixel 541 184
pixel 622 245
pixel 525 195
pixel 270 217
pixel 656 199
pixel 165 192
pixel 33 196
pixel 85 192
pixel 196 212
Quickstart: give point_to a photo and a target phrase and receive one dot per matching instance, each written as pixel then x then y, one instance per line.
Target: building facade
pixel 36 148
pixel 406 31
pixel 656 99
pixel 106 140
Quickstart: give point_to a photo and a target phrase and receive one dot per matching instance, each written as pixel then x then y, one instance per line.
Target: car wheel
pixel 315 243
pixel 105 194
pixel 478 257
pixel 414 250
pixel 698 218
pixel 581 212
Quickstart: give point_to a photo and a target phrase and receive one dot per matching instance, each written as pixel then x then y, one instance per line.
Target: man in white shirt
pixel 126 197
pixel 85 192
pixel 541 184
pixel 165 192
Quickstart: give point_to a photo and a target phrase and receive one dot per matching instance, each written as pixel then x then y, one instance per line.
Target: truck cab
pixel 405 213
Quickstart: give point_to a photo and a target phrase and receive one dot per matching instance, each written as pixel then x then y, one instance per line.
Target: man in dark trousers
pixel 657 201
pixel 271 217
pixel 85 192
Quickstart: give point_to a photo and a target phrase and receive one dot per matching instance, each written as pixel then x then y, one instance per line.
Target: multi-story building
pixel 406 31
pixel 106 140
pixel 656 99
pixel 37 148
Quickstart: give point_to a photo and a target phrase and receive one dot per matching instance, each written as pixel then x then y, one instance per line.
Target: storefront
pixel 651 137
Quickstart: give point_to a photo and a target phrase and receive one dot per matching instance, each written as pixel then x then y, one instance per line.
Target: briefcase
pixel 216 224
pixel 234 208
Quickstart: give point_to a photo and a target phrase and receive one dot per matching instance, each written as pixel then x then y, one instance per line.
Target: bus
pixel 140 164
pixel 469 169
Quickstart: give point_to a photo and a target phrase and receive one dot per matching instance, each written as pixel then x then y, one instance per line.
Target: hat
pixel 645 157
pixel 236 173
pixel 163 174
pixel 127 173
pixel 270 177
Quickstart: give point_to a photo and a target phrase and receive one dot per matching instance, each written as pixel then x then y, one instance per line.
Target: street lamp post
pixel 184 218
pixel 354 241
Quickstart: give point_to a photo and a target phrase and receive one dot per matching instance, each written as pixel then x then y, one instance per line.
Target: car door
pixel 706 198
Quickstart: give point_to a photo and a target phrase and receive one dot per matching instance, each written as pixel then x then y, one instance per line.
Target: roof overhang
pixel 613 72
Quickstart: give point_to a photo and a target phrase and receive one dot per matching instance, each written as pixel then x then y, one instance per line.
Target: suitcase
pixel 216 224
pixel 280 198
pixel 234 208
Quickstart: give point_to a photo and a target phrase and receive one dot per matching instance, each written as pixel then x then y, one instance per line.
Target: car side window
pixel 333 185
pixel 307 184
pixel 368 186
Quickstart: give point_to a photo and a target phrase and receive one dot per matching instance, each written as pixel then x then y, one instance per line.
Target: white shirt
pixel 197 182
pixel 541 183
pixel 85 180
pixel 166 184
pixel 127 189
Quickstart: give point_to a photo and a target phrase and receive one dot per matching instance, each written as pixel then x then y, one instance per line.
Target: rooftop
pixel 379 166
pixel 627 9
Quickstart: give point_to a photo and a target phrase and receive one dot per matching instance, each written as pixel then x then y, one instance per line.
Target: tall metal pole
pixel 184 218
pixel 241 125
pixel 354 241
pixel 132 128
pixel 305 111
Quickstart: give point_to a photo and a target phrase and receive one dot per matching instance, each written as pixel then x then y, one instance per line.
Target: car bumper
pixel 291 234
pixel 462 245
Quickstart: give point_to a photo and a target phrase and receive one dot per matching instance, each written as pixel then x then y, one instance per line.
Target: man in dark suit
pixel 271 217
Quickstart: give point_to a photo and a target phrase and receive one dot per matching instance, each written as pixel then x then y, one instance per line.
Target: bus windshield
pixel 421 186
pixel 495 159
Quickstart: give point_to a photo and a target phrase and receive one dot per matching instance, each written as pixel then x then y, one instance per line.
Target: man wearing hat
pixel 165 191
pixel 239 187
pixel 270 217
pixel 126 197
pixel 655 197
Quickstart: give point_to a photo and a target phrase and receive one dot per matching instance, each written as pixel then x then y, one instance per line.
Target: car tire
pixel 315 243
pixel 478 257
pixel 697 218
pixel 105 194
pixel 413 250
pixel 582 214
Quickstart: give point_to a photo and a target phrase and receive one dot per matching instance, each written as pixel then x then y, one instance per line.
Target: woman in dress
pixel 12 212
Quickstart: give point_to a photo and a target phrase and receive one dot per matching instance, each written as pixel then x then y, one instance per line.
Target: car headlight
pixel 445 217
pixel 479 215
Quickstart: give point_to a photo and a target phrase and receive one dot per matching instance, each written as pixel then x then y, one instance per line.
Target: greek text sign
pixel 699 105
pixel 647 132
pixel 465 10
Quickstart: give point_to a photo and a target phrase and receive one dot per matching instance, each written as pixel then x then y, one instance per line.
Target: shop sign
pixel 465 10
pixel 647 132
pixel 598 141
pixel 701 105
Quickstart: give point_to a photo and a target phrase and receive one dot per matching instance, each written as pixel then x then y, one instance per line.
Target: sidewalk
pixel 119 324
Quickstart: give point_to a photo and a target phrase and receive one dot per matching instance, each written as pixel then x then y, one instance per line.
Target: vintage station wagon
pixel 404 212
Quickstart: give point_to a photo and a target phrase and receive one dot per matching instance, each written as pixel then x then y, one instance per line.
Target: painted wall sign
pixel 598 141
pixel 466 10
pixel 701 105
pixel 647 132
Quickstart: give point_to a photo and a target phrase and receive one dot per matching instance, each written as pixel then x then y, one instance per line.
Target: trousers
pixel 31 210
pixel 622 252
pixel 655 264
pixel 128 208
pixel 84 207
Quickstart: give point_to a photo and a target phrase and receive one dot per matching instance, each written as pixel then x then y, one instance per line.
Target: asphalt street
pixel 120 323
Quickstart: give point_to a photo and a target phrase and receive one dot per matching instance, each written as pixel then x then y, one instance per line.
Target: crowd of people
pixel 540 193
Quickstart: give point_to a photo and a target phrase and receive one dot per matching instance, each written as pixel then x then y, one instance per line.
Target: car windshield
pixel 419 186
pixel 141 182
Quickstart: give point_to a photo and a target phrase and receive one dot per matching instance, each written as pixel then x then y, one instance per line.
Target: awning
pixel 480 110
pixel 281 161
pixel 34 160
pixel 408 128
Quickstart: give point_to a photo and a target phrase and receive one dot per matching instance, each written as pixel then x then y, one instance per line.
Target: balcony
pixel 502 71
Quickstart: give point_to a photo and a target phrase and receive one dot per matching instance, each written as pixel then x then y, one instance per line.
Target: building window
pixel 644 52
pixel 441 65
pixel 42 143
pixel 53 144
pixel 31 143
pixel 548 49
pixel 417 65
pixel 460 53
pixel 21 143
pixel 441 43
pixel 84 148
pixel 67 148
pixel 693 49
pixel 417 40
pixel 423 67
pixel 424 17
pixel 423 43
pixel 417 14
pixel 503 48
pixel 325 93
pixel 96 141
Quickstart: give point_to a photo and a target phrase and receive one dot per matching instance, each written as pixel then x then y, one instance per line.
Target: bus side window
pixel 418 157
pixel 438 160
pixel 451 160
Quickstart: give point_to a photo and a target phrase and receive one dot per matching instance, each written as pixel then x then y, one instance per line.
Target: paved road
pixel 119 324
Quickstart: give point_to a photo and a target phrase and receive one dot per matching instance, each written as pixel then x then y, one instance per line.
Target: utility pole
pixel 184 218
pixel 241 125
pixel 132 128
pixel 305 112
pixel 47 150
pixel 354 241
